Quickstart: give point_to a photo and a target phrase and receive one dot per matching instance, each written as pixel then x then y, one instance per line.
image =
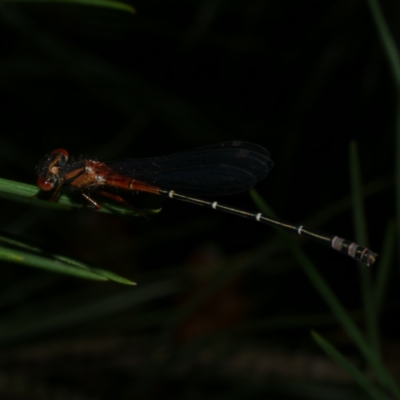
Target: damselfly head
pixel 50 169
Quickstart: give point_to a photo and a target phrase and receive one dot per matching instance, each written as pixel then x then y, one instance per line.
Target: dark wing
pixel 216 170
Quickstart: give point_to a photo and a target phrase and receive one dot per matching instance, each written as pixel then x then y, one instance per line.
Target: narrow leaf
pixel 361 236
pixel 25 193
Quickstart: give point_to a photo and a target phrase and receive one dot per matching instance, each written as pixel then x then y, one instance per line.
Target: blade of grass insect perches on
pixel 116 5
pixel 22 191
pixel 386 260
pixel 16 251
pixel 25 193
pixel 361 237
pixel 392 54
pixel 334 304
pixel 363 381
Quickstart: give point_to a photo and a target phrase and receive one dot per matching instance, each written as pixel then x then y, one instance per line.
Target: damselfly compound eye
pixel 44 185
pixel 61 151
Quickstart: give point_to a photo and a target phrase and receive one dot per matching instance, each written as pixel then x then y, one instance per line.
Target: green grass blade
pixel 385 261
pixel 357 375
pixel 361 238
pixel 33 260
pixel 25 193
pixel 388 43
pixel 116 5
pixel 111 276
pixel 16 251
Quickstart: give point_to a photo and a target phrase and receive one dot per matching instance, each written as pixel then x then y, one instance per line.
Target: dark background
pixel 222 309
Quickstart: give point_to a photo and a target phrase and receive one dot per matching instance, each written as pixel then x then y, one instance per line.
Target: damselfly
pixel 216 170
